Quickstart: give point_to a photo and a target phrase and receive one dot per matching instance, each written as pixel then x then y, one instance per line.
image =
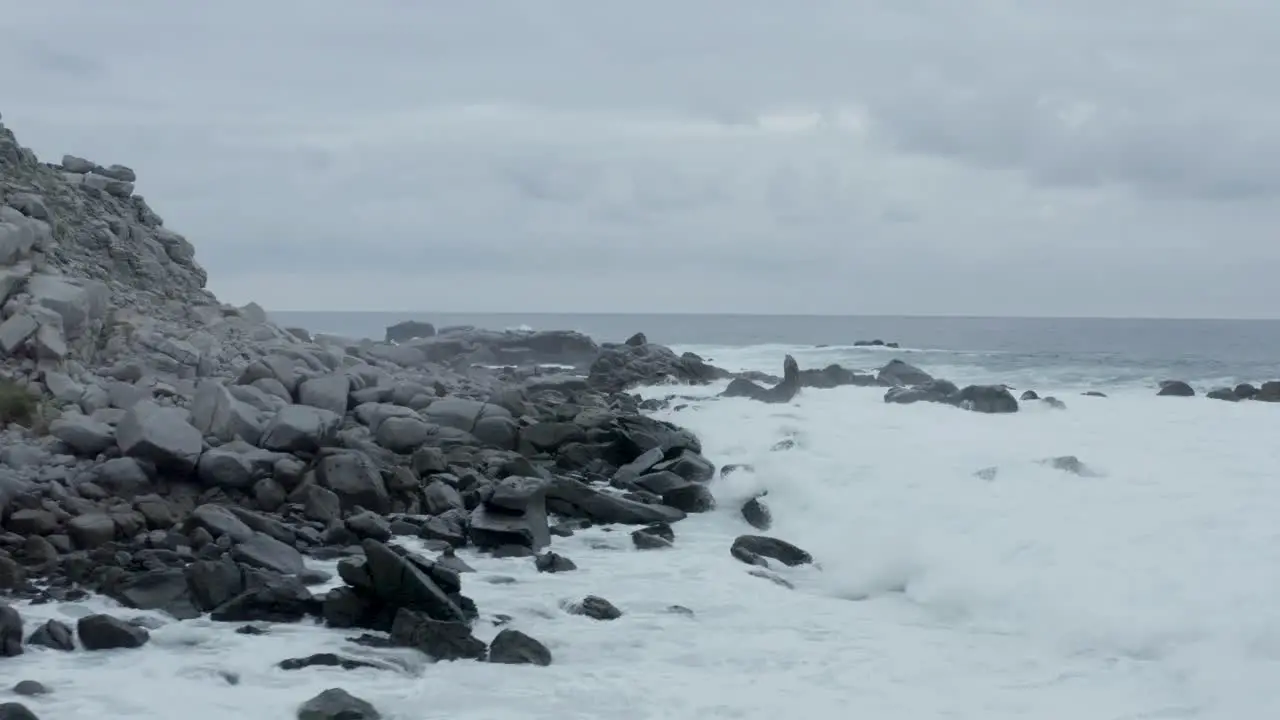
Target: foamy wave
pixel 1170 556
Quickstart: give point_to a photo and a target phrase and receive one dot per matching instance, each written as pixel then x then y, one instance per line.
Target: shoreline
pixel 182 456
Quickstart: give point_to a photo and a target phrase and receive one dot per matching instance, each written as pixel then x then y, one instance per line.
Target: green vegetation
pixel 18 404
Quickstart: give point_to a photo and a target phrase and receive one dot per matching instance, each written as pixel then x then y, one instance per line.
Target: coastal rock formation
pixel 783 392
pixel 911 385
pixel 180 455
pixel 620 367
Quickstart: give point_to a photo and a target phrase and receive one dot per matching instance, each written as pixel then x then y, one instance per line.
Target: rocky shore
pixel 178 454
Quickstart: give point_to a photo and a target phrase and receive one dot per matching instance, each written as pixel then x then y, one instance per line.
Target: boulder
pixel 161 435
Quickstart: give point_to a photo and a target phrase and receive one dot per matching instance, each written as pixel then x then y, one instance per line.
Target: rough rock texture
pixel 783 392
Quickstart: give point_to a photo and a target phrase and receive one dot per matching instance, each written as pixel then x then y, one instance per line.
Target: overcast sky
pixel 1001 157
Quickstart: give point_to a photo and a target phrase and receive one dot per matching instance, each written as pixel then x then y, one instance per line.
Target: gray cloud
pixel 1058 157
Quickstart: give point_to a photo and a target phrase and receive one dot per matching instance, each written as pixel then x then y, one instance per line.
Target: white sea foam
pixel 1146 591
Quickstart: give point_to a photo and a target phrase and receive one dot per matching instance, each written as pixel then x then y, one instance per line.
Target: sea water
pixel 1143 587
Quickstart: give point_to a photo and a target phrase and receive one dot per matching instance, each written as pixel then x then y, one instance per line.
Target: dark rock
pixel 437 639
pixel 1175 388
pixel 834 376
pixel 938 391
pixel 104 632
pixel 550 562
pixel 595 607
pixel 399 583
pixel 757 514
pixel 691 498
pixel 263 551
pixel 755 549
pixel 1227 394
pixel 621 367
pixel 52 634
pixel 277 599
pixel 337 704
pixel 783 392
pixel 354 478
pixel 653 537
pixel 514 512
pixel 30 688
pixel 326 660
pixel 16 711
pixel 163 589
pixel 690 465
pixel 369 525
pixel 582 500
pixel 10 632
pixel 986 399
pixel 897 372
pixel 1029 395
pixel 409 330
pixel 92 530
pixel 512 647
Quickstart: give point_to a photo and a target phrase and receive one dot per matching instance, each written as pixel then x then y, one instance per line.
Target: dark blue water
pixel 1109 350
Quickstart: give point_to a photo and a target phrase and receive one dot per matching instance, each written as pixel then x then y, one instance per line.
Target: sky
pixel 986 157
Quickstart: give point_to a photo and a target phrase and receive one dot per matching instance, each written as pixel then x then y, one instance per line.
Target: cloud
pixel 913 156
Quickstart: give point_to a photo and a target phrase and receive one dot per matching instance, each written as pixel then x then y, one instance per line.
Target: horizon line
pixel 785 315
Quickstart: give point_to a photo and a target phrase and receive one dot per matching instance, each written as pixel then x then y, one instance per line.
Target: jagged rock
pixel 621 367
pixel 355 479
pixel 399 583
pixel 263 551
pixel 440 640
pixel 104 632
pixel 84 435
pixel 52 634
pixel 215 411
pixel 328 392
pixel 576 498
pixel 783 392
pixel 161 435
pixel 514 513
pixel 299 428
pixel 235 465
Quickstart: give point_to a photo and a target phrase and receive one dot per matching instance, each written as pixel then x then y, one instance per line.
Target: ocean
pixel 1077 351
pixel 1144 586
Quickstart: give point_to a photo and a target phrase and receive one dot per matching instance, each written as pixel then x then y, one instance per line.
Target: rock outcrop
pixel 783 392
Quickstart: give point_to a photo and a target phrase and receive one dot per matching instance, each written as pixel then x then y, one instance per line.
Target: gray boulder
pixel 300 428
pixel 329 392
pixel 161 435
pixel 84 435
pixel 215 411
